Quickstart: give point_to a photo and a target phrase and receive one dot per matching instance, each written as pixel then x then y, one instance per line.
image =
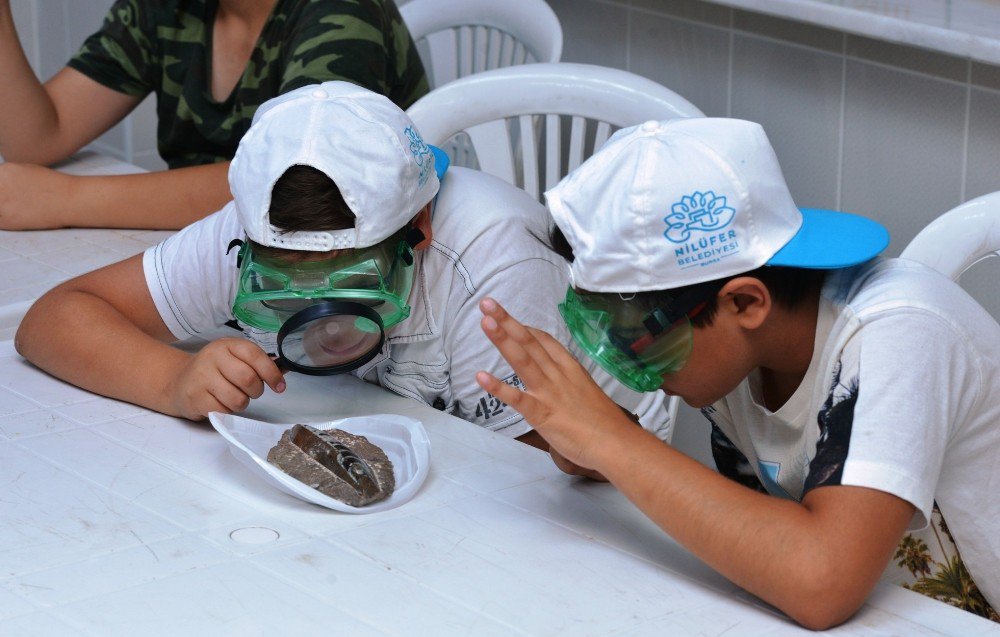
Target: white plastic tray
pixel 404 441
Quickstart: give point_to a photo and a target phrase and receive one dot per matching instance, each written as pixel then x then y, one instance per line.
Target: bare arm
pixel 34 197
pixel 816 560
pixel 102 332
pixel 44 123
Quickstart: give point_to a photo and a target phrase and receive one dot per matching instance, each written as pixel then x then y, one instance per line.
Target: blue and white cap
pixel 366 144
pixel 672 203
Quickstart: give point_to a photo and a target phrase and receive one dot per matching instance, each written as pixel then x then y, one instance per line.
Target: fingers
pixel 260 369
pixel 524 403
pixel 224 377
pixel 517 344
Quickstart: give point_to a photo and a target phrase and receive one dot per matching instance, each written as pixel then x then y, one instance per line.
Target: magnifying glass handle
pixel 281 362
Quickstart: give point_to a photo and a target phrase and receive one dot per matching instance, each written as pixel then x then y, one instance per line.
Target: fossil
pixel 342 465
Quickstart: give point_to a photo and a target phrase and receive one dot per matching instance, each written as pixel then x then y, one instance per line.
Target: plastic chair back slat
pixel 494 158
pixel 465 49
pixel 602 134
pixel 529 155
pixel 530 23
pixel 553 151
pixel 578 128
pixel 495 43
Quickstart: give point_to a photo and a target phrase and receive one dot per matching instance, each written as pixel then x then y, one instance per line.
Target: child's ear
pixel 422 222
pixel 747 299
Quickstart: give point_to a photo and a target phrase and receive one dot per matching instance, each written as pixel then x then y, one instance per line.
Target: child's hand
pixel 561 400
pixel 224 376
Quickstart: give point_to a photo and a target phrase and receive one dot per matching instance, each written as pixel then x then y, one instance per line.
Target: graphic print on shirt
pixel 730 461
pixel 769 472
pixel 836 418
pixel 927 561
pixel 489 406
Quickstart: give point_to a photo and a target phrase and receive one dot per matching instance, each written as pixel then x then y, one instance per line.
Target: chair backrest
pixel 959 238
pixel 532 124
pixel 460 37
pixel 516 120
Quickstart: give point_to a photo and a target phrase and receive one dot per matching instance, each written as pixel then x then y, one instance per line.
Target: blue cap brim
pixel 441 161
pixel 830 239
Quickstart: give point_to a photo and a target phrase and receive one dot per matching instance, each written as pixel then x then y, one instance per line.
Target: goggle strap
pixel 661 319
pixel 414 236
pixel 239 255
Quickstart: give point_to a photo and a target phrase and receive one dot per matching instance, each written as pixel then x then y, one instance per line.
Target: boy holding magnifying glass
pixel 346 248
pixel 857 397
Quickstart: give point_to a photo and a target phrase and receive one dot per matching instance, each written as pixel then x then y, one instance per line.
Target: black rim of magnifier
pixel 323 310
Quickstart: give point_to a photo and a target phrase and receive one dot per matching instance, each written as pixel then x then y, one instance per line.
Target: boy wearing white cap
pixel 327 259
pixel 858 397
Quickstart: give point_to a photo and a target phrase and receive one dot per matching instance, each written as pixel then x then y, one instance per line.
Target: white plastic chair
pixel 532 124
pixel 960 238
pixel 460 37
pixel 515 119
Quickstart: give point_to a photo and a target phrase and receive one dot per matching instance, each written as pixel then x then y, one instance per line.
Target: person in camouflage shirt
pixel 206 97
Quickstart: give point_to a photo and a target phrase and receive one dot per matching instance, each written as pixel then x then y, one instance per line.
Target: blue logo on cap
pixel 421 154
pixel 702 211
pixel 707 214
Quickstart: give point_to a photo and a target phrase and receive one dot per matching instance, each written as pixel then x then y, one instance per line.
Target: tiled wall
pixel 898 133
pixel 51 31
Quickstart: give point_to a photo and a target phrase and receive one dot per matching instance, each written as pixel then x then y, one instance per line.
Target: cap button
pixel 320 94
pixel 650 126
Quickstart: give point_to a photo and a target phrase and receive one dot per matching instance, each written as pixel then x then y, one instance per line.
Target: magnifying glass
pixel 330 337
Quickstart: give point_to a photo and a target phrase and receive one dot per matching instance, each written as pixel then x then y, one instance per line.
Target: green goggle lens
pixel 380 277
pixel 611 331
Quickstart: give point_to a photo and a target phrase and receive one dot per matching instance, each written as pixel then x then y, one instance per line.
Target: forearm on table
pixel 165 200
pixel 84 340
pixel 777 549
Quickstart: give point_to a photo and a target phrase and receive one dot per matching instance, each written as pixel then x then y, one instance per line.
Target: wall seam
pixel 839 198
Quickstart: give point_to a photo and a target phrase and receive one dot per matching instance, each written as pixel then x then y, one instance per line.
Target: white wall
pixel 51 31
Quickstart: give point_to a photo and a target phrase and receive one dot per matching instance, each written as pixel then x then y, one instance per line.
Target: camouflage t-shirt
pixel 164 46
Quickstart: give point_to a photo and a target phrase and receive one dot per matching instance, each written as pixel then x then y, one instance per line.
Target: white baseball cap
pixel 366 144
pixel 668 204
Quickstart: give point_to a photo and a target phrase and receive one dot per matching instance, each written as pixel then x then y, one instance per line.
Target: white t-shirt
pixel 488 240
pixel 902 395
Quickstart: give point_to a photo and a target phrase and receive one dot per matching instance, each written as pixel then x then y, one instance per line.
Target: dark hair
pixel 789 287
pixel 306 199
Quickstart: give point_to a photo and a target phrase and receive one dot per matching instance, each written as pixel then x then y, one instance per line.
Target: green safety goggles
pixel 638 338
pixel 271 290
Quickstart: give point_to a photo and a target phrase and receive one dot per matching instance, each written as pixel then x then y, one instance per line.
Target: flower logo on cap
pixel 421 154
pixel 702 211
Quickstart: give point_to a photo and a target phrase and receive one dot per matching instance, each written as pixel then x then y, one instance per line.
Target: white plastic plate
pixel 404 441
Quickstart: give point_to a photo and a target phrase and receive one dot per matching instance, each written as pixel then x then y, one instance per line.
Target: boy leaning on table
pixel 858 398
pixel 338 203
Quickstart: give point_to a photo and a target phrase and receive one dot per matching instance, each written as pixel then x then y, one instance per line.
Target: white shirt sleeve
pixel 904 378
pixel 191 278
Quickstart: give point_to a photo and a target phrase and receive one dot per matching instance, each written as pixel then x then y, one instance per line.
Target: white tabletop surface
pixel 966 28
pixel 118 521
pixel 32 262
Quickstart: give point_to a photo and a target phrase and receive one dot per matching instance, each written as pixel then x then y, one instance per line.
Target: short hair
pixel 305 199
pixel 789 287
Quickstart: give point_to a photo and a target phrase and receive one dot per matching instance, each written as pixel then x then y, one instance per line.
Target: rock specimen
pixel 339 464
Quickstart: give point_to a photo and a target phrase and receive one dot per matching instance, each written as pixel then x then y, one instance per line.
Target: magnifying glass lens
pixel 330 338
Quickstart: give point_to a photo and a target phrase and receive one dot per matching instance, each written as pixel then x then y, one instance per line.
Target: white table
pixel 34 261
pixel 118 521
